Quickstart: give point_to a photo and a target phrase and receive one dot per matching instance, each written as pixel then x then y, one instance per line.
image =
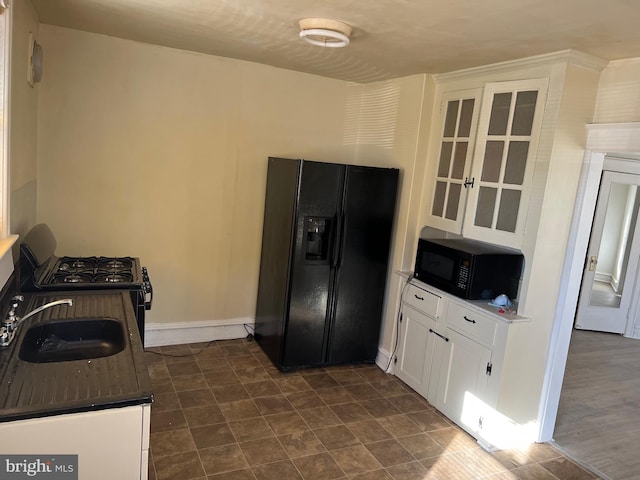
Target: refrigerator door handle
pixel 335 248
pixel 343 230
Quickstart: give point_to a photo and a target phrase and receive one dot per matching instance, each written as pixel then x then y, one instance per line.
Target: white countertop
pixel 481 306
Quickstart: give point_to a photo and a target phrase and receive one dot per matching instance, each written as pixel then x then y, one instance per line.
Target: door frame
pixel 615 172
pixel 602 139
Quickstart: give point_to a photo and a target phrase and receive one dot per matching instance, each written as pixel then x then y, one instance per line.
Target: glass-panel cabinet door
pixel 459 115
pixel 508 131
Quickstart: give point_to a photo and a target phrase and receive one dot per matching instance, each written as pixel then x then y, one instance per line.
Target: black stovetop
pixel 41 270
pixel 78 271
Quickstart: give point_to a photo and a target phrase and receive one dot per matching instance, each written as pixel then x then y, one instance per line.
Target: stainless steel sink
pixel 77 339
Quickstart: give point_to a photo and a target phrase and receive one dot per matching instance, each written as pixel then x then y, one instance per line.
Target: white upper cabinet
pixel 456 143
pixel 482 174
pixel 506 145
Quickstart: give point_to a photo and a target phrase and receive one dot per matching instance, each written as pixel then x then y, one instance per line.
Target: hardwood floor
pixel 602 295
pixel 599 416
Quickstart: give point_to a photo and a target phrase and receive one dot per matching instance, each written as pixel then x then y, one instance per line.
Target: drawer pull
pixel 441 336
pixel 470 320
pixel 419 298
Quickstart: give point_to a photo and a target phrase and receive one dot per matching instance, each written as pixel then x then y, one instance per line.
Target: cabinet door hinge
pixel 489 368
pixel 395 360
pixel 400 317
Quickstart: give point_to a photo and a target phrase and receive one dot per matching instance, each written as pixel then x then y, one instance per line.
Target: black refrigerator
pixel 323 268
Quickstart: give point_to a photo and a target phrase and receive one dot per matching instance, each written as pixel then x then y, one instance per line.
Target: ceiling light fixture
pixel 324 32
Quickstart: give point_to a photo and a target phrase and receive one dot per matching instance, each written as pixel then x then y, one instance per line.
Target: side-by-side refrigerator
pixel 323 268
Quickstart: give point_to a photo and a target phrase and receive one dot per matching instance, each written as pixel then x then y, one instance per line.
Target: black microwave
pixel 469 269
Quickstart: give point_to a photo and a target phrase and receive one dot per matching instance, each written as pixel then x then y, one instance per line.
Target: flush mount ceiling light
pixel 324 32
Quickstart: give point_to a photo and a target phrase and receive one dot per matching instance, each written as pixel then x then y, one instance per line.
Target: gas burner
pixel 114 263
pixel 77 264
pixel 76 277
pixel 113 277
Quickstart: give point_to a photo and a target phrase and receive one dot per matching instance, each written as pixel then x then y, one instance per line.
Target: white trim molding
pixel 6 25
pixel 6 258
pixel 382 360
pixel 614 137
pixel 160 334
pixel 569 56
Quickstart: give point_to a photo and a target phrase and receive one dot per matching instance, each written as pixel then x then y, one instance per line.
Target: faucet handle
pixel 5 336
pixel 16 300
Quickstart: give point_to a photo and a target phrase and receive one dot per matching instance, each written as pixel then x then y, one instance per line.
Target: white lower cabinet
pixel 452 354
pixel 464 374
pixel 111 443
pixel 417 338
pixel 421 351
pixel 415 369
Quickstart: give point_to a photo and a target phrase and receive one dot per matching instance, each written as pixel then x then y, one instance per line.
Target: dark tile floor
pixel 222 411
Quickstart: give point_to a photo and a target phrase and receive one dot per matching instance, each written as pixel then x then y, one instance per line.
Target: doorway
pixel 611 265
pixel 602 139
pixel 596 423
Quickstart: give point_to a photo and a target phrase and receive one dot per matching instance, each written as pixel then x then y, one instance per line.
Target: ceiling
pixel 391 38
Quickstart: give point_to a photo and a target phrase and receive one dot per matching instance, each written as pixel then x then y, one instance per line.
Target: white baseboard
pixel 604 278
pixel 636 332
pixel 382 360
pixel 159 334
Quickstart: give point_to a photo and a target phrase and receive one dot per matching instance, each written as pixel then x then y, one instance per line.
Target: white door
pixel 612 256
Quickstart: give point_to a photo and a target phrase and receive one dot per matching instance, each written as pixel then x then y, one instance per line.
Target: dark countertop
pixel 29 390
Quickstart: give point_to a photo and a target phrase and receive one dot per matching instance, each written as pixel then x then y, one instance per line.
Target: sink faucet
pixel 12 322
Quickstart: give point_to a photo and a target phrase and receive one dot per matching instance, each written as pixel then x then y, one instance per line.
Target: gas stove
pixel 41 270
pixel 93 270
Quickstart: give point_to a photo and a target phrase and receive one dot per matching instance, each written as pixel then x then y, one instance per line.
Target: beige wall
pixel 161 154
pixel 23 132
pixel 393 131
pixel 619 93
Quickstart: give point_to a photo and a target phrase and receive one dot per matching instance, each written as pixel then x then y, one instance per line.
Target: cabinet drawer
pixel 472 324
pixel 423 300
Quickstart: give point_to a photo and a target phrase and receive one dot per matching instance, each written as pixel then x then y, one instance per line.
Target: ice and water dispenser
pixel 317 238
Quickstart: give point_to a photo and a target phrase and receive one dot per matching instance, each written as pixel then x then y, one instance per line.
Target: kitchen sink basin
pixel 77 339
